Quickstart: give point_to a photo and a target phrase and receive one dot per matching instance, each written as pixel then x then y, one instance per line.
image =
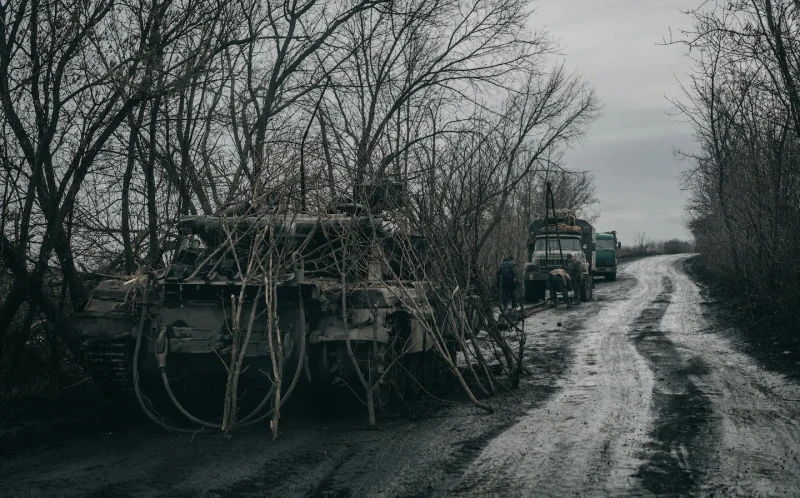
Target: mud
pixel 640 392
pixel 676 452
pixel 314 456
pixel 776 346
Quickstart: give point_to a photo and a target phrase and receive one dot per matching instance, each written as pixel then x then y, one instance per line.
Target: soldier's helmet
pixel 571 256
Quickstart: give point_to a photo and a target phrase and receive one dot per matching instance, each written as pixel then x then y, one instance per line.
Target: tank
pixel 345 276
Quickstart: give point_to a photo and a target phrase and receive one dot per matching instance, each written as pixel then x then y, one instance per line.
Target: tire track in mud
pixel 277 470
pixel 637 393
pixel 677 455
pixel 587 439
pixel 756 422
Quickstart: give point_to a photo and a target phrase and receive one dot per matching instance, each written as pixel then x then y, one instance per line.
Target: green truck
pixel 607 246
pixel 550 243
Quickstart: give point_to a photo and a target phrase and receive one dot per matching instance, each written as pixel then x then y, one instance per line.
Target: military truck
pixel 181 317
pixel 607 246
pixel 550 242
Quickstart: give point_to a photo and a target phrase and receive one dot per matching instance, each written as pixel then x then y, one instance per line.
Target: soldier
pixel 576 274
pixel 559 282
pixel 507 280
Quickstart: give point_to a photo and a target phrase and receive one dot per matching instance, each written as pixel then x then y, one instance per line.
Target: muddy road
pixel 637 393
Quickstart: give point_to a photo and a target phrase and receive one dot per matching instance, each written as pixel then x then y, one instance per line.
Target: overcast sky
pixel 614 45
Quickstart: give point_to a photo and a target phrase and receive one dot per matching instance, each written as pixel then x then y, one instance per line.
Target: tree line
pixel 643 245
pixel 744 180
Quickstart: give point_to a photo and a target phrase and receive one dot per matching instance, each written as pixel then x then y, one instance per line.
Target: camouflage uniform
pixel 576 273
pixel 559 281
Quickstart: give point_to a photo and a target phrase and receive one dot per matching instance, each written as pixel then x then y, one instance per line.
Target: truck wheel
pixel 529 293
pixel 534 291
pixel 611 277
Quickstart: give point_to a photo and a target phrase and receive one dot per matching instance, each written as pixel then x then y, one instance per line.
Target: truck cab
pixel 548 250
pixel 607 246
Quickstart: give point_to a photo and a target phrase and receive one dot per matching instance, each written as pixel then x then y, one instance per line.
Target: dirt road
pixel 637 393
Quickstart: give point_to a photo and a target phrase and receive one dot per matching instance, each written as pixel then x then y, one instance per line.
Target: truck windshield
pixel 605 244
pixel 566 244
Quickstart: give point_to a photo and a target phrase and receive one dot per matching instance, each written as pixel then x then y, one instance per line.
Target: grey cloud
pixel 615 46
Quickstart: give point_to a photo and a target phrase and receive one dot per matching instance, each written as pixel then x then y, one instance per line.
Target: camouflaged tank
pixel 183 313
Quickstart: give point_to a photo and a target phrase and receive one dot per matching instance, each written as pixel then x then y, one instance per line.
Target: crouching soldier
pixel 559 281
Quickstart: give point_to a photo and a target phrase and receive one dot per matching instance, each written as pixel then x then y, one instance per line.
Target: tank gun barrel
pixel 214 229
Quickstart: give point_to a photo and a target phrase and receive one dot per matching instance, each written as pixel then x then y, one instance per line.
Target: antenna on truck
pixel 550 203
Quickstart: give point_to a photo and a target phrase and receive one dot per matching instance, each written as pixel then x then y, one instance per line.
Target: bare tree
pixel 118 119
pixel 743 103
pixel 70 76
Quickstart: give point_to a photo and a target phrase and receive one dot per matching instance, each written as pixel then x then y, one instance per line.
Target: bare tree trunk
pixel 328 161
pixel 783 64
pixel 125 214
pixel 371 406
pixel 150 187
pixel 275 346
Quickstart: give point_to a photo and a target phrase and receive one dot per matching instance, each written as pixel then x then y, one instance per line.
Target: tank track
pixel 110 366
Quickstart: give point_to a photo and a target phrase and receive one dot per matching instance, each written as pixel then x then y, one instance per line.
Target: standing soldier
pixel 507 279
pixel 576 274
pixel 559 282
